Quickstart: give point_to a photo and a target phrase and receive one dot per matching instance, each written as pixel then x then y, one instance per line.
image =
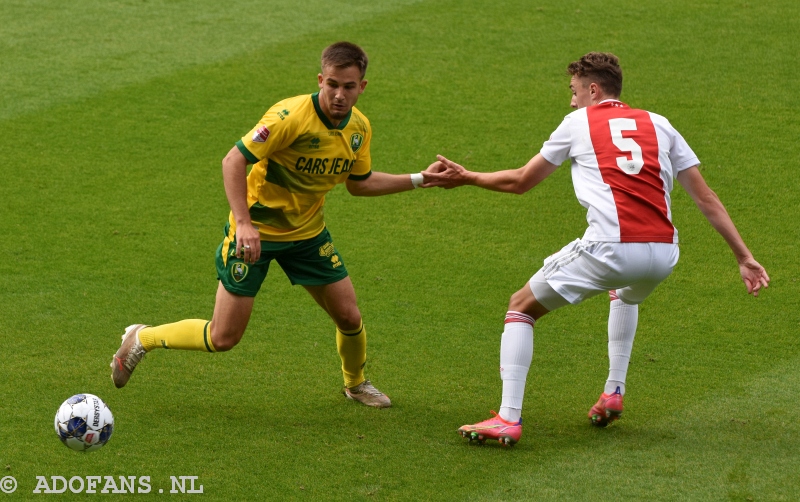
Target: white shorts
pixel 583 269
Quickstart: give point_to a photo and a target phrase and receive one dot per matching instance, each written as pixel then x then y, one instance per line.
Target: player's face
pixel 581 93
pixel 339 91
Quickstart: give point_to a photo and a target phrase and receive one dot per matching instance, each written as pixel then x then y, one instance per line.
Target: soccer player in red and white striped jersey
pixel 624 161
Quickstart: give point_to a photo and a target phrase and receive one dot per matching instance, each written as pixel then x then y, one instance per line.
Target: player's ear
pixel 319 80
pixel 594 92
pixel 361 86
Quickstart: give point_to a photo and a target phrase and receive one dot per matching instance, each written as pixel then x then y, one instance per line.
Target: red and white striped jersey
pixel 624 161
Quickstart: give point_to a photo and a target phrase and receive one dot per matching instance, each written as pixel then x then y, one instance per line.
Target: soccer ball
pixel 84 422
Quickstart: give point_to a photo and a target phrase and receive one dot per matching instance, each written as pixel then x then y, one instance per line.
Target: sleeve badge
pixel 261 135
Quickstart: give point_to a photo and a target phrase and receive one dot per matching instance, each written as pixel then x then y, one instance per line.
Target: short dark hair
pixel 345 55
pixel 602 68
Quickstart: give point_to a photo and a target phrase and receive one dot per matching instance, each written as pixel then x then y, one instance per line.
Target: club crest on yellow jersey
pixel 355 141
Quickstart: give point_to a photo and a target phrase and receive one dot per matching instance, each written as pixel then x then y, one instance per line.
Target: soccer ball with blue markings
pixel 84 422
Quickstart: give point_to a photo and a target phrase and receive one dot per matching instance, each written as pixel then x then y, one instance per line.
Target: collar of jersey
pixel 324 118
pixel 611 100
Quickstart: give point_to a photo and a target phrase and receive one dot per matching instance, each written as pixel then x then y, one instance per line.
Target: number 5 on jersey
pixel 636 162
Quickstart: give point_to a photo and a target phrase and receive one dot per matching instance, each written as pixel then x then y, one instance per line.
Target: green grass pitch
pixel 114 117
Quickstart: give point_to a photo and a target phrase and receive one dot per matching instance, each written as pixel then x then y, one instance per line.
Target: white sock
pixel 516 352
pixel 622 322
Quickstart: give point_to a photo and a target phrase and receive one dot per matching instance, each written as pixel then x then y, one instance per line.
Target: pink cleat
pixel 607 409
pixel 507 433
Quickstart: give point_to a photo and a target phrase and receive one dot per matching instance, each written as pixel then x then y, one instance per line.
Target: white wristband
pixel 416 179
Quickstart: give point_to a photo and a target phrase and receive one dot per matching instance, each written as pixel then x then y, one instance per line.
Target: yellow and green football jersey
pixel 298 157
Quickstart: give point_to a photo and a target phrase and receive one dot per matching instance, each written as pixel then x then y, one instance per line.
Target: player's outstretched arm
pixel 451 175
pixel 379 183
pixel 753 274
pixel 234 176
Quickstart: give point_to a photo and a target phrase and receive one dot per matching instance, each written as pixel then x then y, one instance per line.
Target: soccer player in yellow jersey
pixel 300 150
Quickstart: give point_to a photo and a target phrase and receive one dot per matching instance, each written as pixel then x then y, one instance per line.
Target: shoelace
pixel 135 355
pixel 368 388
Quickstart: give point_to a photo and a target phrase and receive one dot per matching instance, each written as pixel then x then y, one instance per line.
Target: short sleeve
pixel 681 155
pixel 557 149
pixel 273 132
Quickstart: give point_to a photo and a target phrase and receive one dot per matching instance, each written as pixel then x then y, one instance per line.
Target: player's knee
pixel 225 339
pixel 225 344
pixel 524 301
pixel 349 320
pixel 520 301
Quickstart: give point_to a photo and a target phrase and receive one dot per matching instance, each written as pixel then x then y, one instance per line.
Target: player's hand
pixel 248 243
pixel 436 167
pixel 445 173
pixel 754 276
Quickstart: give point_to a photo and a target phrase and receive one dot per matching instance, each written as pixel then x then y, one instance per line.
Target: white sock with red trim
pixel 516 352
pixel 622 322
